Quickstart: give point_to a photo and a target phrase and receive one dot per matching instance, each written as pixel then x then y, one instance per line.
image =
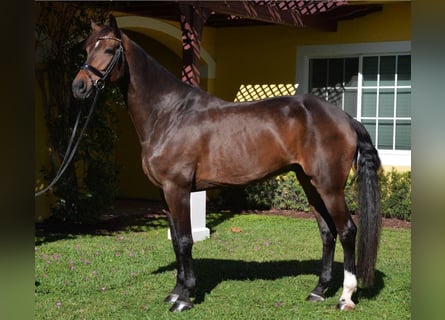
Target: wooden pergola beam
pixel 252 10
pixel 323 15
pixel 267 13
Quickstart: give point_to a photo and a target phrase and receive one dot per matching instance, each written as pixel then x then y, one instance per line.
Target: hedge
pixel 285 192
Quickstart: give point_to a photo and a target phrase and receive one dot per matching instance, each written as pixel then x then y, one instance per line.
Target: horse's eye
pixel 109 51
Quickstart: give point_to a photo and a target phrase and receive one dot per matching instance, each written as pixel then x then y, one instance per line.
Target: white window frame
pixel 396 158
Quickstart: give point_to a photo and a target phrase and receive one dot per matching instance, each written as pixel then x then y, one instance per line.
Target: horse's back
pixel 239 143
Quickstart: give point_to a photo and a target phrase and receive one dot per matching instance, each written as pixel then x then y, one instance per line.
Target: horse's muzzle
pixel 81 88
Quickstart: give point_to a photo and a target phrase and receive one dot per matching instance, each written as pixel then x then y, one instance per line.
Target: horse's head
pixel 105 59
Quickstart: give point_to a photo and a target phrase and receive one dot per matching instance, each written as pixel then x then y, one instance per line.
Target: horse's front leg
pixel 178 202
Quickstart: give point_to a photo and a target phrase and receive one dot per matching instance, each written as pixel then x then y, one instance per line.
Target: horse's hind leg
pixel 328 239
pixel 328 235
pixel 178 201
pixel 336 205
pixel 328 202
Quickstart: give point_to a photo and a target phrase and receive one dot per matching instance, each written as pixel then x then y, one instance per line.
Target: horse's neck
pixel 150 77
pixel 151 89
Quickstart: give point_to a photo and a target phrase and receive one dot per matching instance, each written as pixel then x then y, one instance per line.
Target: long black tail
pixel 367 163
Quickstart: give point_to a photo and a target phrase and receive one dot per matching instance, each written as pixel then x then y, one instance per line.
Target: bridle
pixel 99 84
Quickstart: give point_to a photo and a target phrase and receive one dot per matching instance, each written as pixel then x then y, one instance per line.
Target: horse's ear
pixel 94 26
pixel 113 24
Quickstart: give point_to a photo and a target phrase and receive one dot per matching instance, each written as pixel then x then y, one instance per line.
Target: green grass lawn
pixel 263 272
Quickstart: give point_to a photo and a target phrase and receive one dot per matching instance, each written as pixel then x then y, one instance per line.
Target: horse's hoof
pixel 179 306
pixel 171 298
pixel 345 305
pixel 315 297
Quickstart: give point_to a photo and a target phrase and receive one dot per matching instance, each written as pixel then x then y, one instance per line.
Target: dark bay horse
pixel 191 140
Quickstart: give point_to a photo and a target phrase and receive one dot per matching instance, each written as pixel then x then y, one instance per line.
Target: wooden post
pixel 198 217
pixel 192 20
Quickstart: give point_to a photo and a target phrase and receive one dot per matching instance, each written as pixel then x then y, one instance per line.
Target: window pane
pixel 387 70
pixel 351 72
pixel 404 70
pixel 318 73
pixel 350 104
pixel 403 103
pixel 335 96
pixel 335 73
pixel 385 134
pixel 386 103
pixel 370 65
pixel 370 126
pixel 403 135
pixel 369 99
pixel 321 92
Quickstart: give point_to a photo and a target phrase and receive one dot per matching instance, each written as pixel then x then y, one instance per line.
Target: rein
pixel 69 154
pixel 99 84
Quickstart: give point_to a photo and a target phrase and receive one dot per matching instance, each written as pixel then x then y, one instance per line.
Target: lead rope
pixel 69 154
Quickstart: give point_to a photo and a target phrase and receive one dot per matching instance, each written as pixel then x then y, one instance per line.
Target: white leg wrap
pixel 349 287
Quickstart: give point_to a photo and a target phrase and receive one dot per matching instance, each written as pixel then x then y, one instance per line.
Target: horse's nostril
pixel 79 88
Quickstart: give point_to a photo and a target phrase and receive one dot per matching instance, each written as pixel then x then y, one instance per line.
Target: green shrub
pixel 284 192
pixel 396 194
pixel 351 194
pixel 281 192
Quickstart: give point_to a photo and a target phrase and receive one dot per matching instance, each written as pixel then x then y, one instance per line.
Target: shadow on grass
pixel 212 272
pixel 129 215
pixel 54 230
